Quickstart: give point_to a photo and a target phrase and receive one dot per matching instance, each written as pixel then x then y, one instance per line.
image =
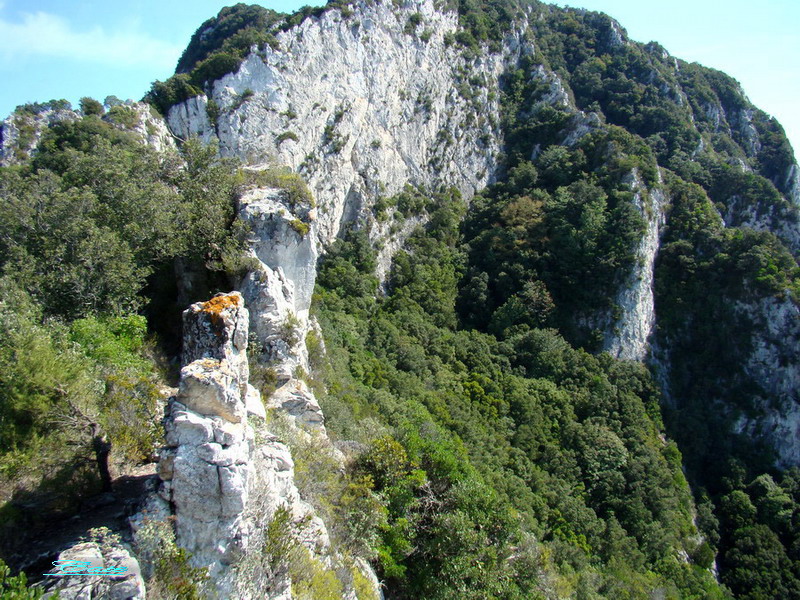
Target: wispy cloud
pixel 44 34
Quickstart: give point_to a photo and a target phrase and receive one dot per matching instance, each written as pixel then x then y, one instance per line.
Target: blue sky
pixel 59 49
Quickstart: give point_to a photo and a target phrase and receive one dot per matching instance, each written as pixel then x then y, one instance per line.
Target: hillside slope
pixel 523 297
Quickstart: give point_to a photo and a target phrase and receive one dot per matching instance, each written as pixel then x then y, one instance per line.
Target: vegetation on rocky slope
pixel 502 455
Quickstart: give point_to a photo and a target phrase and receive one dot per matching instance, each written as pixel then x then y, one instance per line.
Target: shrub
pixel 300 227
pixel 234 30
pixel 297 191
pixel 413 22
pixel 243 97
pixel 290 330
pixel 286 135
pixel 165 94
pixel 214 67
pixel 126 116
pixel 26 134
pixel 212 110
pixel 36 108
pixel 90 106
pixel 16 588
pixel 166 565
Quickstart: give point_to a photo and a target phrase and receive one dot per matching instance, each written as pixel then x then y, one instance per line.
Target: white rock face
pixel 278 291
pixel 151 128
pixel 783 222
pixel 364 127
pixel 206 469
pixel 792 183
pixel 629 337
pixel 20 133
pixel 775 365
pixel 297 400
pixel 221 479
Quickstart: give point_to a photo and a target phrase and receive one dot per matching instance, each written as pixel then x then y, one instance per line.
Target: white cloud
pixel 47 35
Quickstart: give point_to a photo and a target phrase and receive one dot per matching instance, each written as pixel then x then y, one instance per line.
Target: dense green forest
pixel 504 455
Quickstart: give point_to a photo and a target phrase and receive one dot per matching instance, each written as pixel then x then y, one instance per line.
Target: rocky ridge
pixel 21 132
pixel 223 475
pixel 358 130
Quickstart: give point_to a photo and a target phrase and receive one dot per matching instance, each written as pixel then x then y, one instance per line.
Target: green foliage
pixel 302 228
pixel 495 457
pixel 217 48
pixel 473 444
pixel 235 29
pixel 96 212
pixel 90 227
pixel 757 566
pixel 171 575
pixel 286 135
pixel 213 68
pixel 703 270
pixel 284 554
pixel 554 240
pixel 36 108
pixel 16 587
pixel 123 115
pixel 241 99
pixel 213 111
pixel 485 22
pixel 166 94
pixel 96 369
pixel 297 192
pixel 26 135
pixel 333 138
pixel 90 106
pixel 414 21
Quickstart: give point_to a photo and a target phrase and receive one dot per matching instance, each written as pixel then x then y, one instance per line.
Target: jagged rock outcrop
pixel 222 479
pixel 207 467
pixel 278 290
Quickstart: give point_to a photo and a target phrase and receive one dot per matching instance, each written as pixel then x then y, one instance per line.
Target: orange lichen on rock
pixel 219 303
pixel 214 308
pixel 210 363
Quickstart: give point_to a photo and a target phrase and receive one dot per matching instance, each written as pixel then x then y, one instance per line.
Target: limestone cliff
pixel 629 336
pixel 774 363
pixel 359 129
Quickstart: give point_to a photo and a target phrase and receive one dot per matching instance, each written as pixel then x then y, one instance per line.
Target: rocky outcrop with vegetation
pixel 522 301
